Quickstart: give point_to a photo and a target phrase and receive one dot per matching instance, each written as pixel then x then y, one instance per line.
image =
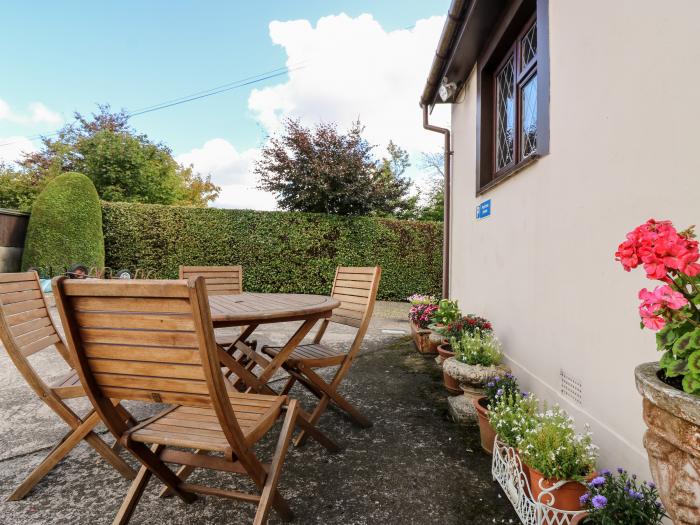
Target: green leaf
pixel 666 337
pixel 685 344
pixel 672 366
pixel 694 362
pixel 691 383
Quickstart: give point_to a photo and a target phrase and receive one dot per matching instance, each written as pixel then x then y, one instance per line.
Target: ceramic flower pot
pixel 435 340
pixel 486 431
pixel 672 441
pixel 579 519
pixel 566 497
pixel 421 338
pixel 451 385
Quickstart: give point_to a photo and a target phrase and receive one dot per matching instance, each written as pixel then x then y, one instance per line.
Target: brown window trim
pixel 513 25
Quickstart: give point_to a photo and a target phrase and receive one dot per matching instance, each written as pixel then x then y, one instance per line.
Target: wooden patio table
pixel 250 310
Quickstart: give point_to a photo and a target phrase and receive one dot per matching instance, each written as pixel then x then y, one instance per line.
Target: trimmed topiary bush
pixel 288 252
pixel 65 226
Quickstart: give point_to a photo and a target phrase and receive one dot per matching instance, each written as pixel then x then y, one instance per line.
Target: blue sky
pixel 69 56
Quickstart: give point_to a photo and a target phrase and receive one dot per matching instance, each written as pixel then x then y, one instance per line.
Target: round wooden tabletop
pixel 257 308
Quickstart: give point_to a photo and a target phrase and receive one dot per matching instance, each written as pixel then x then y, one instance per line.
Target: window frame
pixel 505 45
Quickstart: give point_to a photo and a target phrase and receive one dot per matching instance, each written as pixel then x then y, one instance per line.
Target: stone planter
pixel 672 441
pixel 471 379
pixel 421 338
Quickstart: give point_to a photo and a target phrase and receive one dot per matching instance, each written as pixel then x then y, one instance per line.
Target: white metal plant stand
pixel 507 469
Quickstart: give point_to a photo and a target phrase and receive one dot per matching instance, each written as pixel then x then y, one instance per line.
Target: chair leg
pixel 269 495
pixel 306 426
pixel 135 492
pixel 315 416
pixel 288 385
pixel 183 473
pixel 68 443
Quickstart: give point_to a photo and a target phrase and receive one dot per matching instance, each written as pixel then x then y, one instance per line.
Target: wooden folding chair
pixel 220 280
pixel 356 289
pixel 153 341
pixel 25 329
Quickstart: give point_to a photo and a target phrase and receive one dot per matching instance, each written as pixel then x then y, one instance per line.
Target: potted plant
pixel 505 387
pixel 456 330
pixel 671 387
pixel 477 360
pixel 554 453
pixel 420 316
pixel 612 499
pixel 447 312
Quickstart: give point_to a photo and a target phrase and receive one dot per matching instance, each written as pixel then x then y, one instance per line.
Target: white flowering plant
pixel 553 447
pixel 512 415
pixel 480 347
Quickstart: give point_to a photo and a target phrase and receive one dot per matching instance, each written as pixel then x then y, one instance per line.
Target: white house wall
pixel 625 146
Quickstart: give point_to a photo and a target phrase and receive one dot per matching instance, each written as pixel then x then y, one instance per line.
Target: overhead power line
pixel 248 81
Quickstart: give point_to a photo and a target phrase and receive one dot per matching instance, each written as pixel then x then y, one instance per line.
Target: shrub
pixel 477 348
pixel 512 416
pixel 622 499
pixel 65 226
pixel 554 448
pixel 290 252
pixel 447 312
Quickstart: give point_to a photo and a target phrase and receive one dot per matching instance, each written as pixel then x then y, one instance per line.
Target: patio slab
pixel 414 466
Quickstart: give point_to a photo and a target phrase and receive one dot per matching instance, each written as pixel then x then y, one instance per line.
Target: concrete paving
pixel 414 466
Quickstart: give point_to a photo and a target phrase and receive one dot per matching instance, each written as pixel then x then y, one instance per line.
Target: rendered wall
pixel 624 147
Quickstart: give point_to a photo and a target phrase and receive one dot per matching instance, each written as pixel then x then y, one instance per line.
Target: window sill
pixel 507 174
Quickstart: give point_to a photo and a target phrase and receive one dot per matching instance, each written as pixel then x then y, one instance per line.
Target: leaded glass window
pixel 505 115
pixel 515 103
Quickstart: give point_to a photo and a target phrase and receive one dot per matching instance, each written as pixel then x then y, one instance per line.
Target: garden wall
pixel 279 251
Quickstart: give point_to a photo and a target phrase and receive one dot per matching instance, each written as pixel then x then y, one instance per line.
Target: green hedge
pixel 65 226
pixel 279 251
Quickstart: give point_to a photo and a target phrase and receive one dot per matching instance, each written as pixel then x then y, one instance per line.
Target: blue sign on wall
pixel 483 210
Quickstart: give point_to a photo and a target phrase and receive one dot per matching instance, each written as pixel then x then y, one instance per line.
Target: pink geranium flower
pixel 654 303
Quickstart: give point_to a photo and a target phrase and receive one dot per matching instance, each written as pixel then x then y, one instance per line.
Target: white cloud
pixel 38 114
pixel 233 171
pixel 11 148
pixel 353 68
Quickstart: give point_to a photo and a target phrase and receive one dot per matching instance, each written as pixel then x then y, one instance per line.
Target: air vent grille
pixel 571 387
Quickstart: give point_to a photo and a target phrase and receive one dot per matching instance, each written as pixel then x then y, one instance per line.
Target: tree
pixel 65 227
pixel 122 164
pixel 323 170
pixel 434 209
pixel 17 191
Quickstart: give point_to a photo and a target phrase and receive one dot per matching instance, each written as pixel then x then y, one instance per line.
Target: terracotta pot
pixel 671 440
pixel 451 384
pixel 435 340
pixel 445 351
pixel 421 338
pixel 579 519
pixel 488 434
pixel 566 497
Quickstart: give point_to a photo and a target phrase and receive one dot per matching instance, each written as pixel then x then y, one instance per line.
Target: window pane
pixel 529 112
pixel 529 45
pixel 505 115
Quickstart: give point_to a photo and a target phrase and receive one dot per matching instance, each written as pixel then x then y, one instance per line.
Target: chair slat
pixel 220 280
pixel 35 335
pixel 20 286
pixel 143 368
pixel 152 354
pixel 40 345
pixel 33 324
pixel 142 337
pixel 133 321
pixel 24 306
pixel 14 277
pixel 129 304
pixel 20 297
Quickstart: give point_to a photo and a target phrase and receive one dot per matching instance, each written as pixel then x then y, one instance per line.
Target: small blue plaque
pixel 483 210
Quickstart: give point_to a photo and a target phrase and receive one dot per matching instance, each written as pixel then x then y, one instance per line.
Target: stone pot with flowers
pixel 477 360
pixel 670 387
pixel 500 387
pixel 560 461
pixel 456 330
pixel 620 498
pixel 420 316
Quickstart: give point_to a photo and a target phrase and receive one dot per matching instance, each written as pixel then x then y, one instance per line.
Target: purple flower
pixel 620 470
pixel 634 494
pixel 599 501
pixel 584 499
pixel 652 485
pixel 598 481
pixel 499 392
pixel 490 384
pixel 605 472
pixel 497 378
pixel 524 393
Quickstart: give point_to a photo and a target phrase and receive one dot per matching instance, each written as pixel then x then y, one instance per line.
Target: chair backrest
pixel 149 341
pixel 221 280
pixel 356 289
pixel 25 324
